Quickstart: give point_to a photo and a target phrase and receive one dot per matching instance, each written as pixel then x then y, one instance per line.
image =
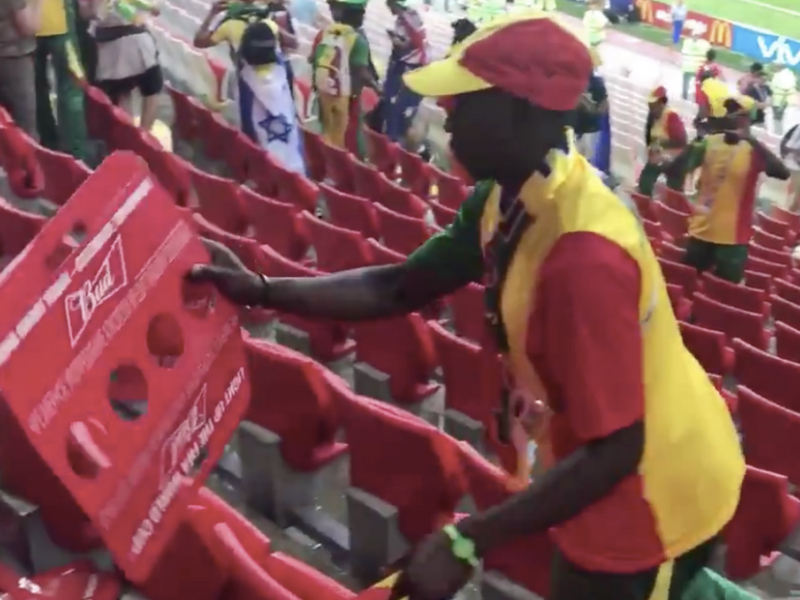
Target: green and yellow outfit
pixel 55 41
pixel 660 131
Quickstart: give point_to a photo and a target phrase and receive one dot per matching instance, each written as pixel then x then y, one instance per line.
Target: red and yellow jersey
pixel 729 173
pixel 602 361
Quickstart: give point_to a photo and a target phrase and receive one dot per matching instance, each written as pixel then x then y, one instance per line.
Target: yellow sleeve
pixel 222 33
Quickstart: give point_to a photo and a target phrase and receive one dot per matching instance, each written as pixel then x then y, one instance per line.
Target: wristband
pixel 461 546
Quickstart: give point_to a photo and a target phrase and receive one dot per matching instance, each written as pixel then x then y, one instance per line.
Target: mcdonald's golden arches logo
pixel 720 33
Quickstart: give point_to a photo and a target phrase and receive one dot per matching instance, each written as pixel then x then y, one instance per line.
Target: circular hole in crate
pixel 86 452
pixel 165 339
pixel 127 392
pixel 199 299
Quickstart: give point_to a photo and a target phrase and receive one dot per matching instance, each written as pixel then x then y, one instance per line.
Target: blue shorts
pixel 677 28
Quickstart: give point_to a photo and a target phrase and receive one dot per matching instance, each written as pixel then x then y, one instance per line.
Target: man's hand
pixel 227 273
pixel 433 572
pixel 218 7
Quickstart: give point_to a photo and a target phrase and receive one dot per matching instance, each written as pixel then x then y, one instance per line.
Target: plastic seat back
pixel 738 296
pixel 416 173
pixel 336 248
pixel 17 157
pixel 758 281
pixel 674 222
pixel 382 152
pixel 783 310
pixel 677 201
pixel 775 256
pixel 767 240
pixel 787 216
pixel 291 399
pixel 406 462
pixel 767 267
pixel 765 517
pixel 679 274
pixel 303 580
pixel 444 216
pixel 339 167
pixel 381 255
pixel 185 126
pixel 452 190
pixel 787 342
pixel 400 232
pixel 772 226
pixel 709 347
pixel 296 189
pixel 469 312
pixel 644 205
pixel 220 201
pixel 403 201
pixel 17 229
pixel 733 322
pixel 787 290
pixel 172 172
pixel 63 174
pixel 671 252
pixel 314 154
pixel 276 224
pixel 409 360
pixel 369 182
pixel 351 211
pixel 774 378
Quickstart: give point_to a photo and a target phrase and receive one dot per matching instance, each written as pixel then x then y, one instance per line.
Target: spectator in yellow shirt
pixel 55 40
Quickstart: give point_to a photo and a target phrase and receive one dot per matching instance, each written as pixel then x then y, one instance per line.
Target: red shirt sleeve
pixel 675 128
pixel 585 336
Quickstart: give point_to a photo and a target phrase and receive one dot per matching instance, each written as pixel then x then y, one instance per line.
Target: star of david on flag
pixel 277 127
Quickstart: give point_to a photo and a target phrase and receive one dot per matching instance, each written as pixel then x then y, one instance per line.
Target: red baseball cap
pixel 531 56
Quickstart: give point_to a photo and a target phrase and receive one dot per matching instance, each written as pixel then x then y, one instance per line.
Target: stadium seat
pixel 368 181
pixel 758 281
pixel 400 232
pixel 709 347
pixel 671 252
pixel 339 167
pixel 776 256
pixel 733 322
pixel 786 290
pixel 17 229
pixel 303 580
pixel 62 174
pixel 738 296
pixel 525 561
pixel 290 397
pixel 644 205
pixel 403 201
pixel 403 461
pixel 775 227
pixel 240 157
pixel 451 190
pixel 653 231
pixel 767 513
pixel 327 341
pixel 218 136
pixel 766 267
pixel 17 157
pixel 351 211
pixel 770 434
pixel 275 224
pixel 336 248
pixel 783 310
pixel 776 379
pixel 185 126
pixel 99 113
pixel 314 154
pixel 787 342
pixel 444 216
pixel 469 310
pixel 409 359
pixel 382 152
pixel 262 172
pixel 415 173
pixel 220 201
pixel 381 255
pixel 681 306
pixel 172 172
pixel 767 240
pixel 676 201
pixel 296 189
pixel 681 275
pixel 673 222
pixel 787 216
pixel 246 248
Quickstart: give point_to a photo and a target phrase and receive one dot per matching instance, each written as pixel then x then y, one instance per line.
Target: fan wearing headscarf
pixel 664 137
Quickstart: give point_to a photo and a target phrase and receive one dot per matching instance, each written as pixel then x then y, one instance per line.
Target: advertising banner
pixel 717 31
pixel 766 47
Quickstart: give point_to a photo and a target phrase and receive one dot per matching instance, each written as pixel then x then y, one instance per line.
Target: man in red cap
pixel 647 468
pixel 664 137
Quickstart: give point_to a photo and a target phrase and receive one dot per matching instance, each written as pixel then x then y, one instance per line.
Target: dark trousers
pixel 726 261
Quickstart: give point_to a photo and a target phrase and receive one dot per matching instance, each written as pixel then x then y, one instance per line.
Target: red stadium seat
pixel 758 281
pixel 381 255
pixel 409 357
pixel 240 157
pixel 328 341
pixel 644 205
pixel 17 157
pixel 681 306
pixel 676 201
pixel 770 434
pixel 403 461
pixel 382 152
pixel 767 513
pixel 468 306
pixel 738 296
pixel 339 164
pixel 787 342
pixel 246 248
pixel 766 267
pixel 680 274
pixel 220 201
pixel 315 155
pixel 368 181
pixel 652 230
pixel 303 580
pixel 783 310
pixel 100 111
pixel 452 190
pixel 400 232
pixel 774 227
pixel 416 173
pixel 336 248
pixel 296 189
pixel 185 126
pixel 709 347
pixel 787 216
pixel 172 172
pixel 787 291
pixel 776 256
pixel 733 322
pixel 673 222
pixel 767 240
pixel 17 229
pixel 443 215
pixel 62 174
pixel 403 201
pixel 275 224
pixel 526 560
pixel 351 211
pixel 776 379
pixel 290 397
pixel 671 252
pixel 217 136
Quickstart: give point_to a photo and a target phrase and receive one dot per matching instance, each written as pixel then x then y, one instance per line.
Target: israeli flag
pixel 268 114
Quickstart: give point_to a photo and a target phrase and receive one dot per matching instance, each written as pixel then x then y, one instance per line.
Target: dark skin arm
pixel 584 477
pixel 202 39
pixel 678 164
pixel 773 165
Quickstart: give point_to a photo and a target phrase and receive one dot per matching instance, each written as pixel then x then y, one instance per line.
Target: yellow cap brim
pixel 444 78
